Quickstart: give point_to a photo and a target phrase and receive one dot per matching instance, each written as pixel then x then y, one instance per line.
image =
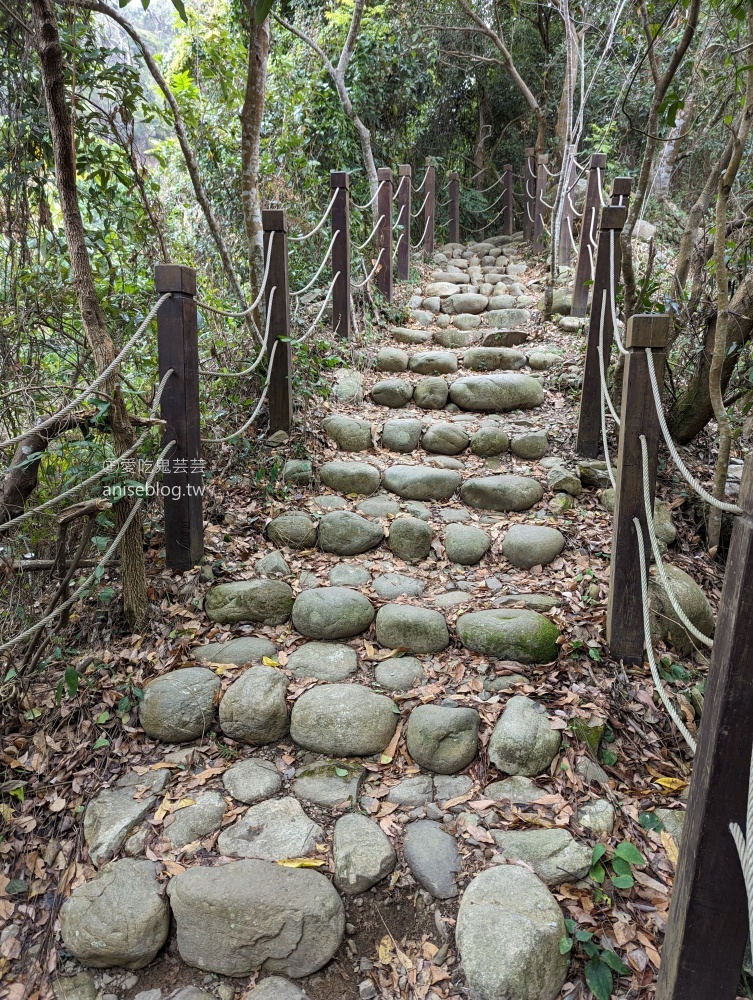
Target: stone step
pixel 496 392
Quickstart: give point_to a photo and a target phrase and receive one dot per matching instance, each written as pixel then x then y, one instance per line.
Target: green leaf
pixel 650 821
pixel 598 872
pixel 583 935
pixel 599 979
pixel 614 962
pixel 71 680
pixel 179 6
pixel 621 866
pixel 630 853
pixel 566 944
pixel 598 853
pixel 609 757
pixel 623 881
pixel 262 9
pixel 102 718
pixel 341 772
pixel 101 742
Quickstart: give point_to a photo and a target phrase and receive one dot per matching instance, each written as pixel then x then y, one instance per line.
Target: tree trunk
pixel 251 119
pixel 668 156
pixel 50 52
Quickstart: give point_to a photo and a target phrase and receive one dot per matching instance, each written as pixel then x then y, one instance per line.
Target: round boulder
pixel 466 544
pixel 332 613
pixel 443 740
pixel 433 363
pixel 497 393
pixel 523 741
pixel 362 853
pixel 392 392
pixel 489 440
pixel 351 477
pixel 410 538
pixel 445 439
pixel 501 493
pixel 419 630
pixel 665 622
pixel 253 709
pixel 488 359
pixel 431 393
pixel 180 706
pixel 294 530
pixel 417 482
pixel 391 359
pixel 510 634
pixel 348 534
pixel 531 445
pixel 401 435
pixel 265 602
pixel 348 433
pixel 527 545
pixel 343 720
pixel 399 673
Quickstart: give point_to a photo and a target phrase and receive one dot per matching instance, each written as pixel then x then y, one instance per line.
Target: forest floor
pixel 74 738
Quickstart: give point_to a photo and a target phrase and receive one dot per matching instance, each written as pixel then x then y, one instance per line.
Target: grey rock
pixel 597 816
pixel 348 433
pixel 505 338
pixel 466 544
pixel 271 831
pixel 487 359
pixel 433 858
pixel 417 509
pixel 348 386
pixel 78 987
pixel 501 493
pixel 466 302
pixel 196 821
pixel 344 575
pixel 273 565
pixel 445 439
pixel 297 472
pixel 497 393
pixel 326 661
pixel 644 231
pixel 504 318
pixel 191 993
pixel 433 363
pixel 410 539
pixel 381 505
pixel 440 289
pixel 527 545
pixel 344 720
pixel 466 321
pixel 392 392
pixel 532 445
pixel 594 475
pixel 673 821
pixel 388 586
pixel 235 918
pixel 454 277
pixel 665 622
pixel 542 360
pixel 115 812
pixel 329 501
pixel 294 530
pixel 391 359
pixel 564 481
pixel 363 854
pixel 570 324
pixel 508 933
pixel 445 462
pixel 432 304
pixel 452 338
pixel 451 786
pixel 490 439
pixel 348 534
pixel 350 477
pixel 405 336
pixel 517 789
pixel 431 393
pixel 275 988
pixel 118 918
pixel 419 630
pixel 399 673
pixel 264 602
pixel 531 602
pixel 332 613
pixel 252 780
pixel 454 515
pixel 180 706
pixel 553 854
pixel 328 783
pixel 510 634
pixel 443 740
pixel 591 772
pixel 497 302
pixel 253 709
pixel 523 741
pixel 308 580
pixel 415 482
pixel 452 598
pixel 504 682
pixel 412 792
pixel 401 435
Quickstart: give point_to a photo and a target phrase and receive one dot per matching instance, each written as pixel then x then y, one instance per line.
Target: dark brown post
pixel 404 172
pixel 384 233
pixel 625 607
pixel 453 226
pixel 178 348
pixel 339 182
pixel 605 285
pixel 591 211
pixel 621 191
pixel 708 916
pixel 507 212
pixel 280 393
pixel 430 194
pixel 538 215
pixel 565 245
pixel 529 192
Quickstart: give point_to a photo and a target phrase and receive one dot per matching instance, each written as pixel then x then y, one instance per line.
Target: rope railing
pixel 551 173
pixel 415 215
pixel 259 357
pixel 372 199
pixel 397 190
pixel 744 845
pixel 317 318
pixel 301 291
pixel 372 234
pixel 491 186
pixel 318 226
pixel 613 295
pixel 604 201
pixel 421 185
pixel 396 224
pixel 362 284
pixel 205 307
pixel 417 246
pixel 397 245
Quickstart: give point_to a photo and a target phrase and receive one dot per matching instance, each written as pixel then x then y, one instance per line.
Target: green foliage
pixel 600 963
pixel 621 861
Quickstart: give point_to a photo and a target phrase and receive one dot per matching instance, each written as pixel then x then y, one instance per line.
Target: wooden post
pixel 280 393
pixel 707 928
pixel 605 284
pixel 565 245
pixel 453 226
pixel 591 210
pixel 178 348
pixel 430 194
pixel 625 607
pixel 339 182
pixel 529 192
pixel 507 211
pixel 621 191
pixel 538 215
pixel 405 173
pixel 384 233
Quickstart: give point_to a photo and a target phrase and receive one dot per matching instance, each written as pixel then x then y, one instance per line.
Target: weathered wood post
pixel 384 233
pixel 529 191
pixel 507 210
pixel 430 194
pixel 405 174
pixel 591 210
pixel 566 242
pixel 339 182
pixel 453 226
pixel 280 393
pixel 625 607
pixel 621 191
pixel 178 348
pixel 538 215
pixel 707 928
pixel 604 286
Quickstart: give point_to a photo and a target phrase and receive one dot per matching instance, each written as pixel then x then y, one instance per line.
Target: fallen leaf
pixel 669 846
pixel 302 863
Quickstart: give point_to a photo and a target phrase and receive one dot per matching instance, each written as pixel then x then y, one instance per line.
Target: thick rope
pixel 420 186
pixel 570 230
pixel 613 295
pixel 491 186
pixel 666 583
pixel 528 211
pixel 602 367
pixel 257 410
pixel 396 224
pixel 294 295
pixel 666 701
pixel 318 226
pixel 362 284
pixel 731 508
pixel 551 173
pixel 319 315
pixel 402 181
pixel 417 246
pixel 255 364
pixel 744 844
pixel 372 199
pixel 205 307
pixel 604 201
pixel 397 245
pixel 372 234
pixel 415 215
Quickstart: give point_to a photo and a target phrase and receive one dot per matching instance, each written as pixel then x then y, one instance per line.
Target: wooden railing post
pixel 405 175
pixel 280 393
pixel 538 216
pixel 591 211
pixel 606 278
pixel 384 233
pixel 638 416
pixel 621 191
pixel 507 210
pixel 339 182
pixel 529 192
pixel 178 348
pixel 708 916
pixel 566 242
pixel 453 226
pixel 430 194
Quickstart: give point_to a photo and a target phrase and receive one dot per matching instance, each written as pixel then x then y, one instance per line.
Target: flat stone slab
pixel 343 720
pixel 346 575
pixel 252 780
pixel 497 393
pixel 553 854
pixel 501 493
pixel 433 858
pixel 403 335
pixel 328 783
pixel 399 673
pixel 416 482
pixel 391 585
pixel 510 634
pixel 245 649
pixel 271 831
pixel 326 661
